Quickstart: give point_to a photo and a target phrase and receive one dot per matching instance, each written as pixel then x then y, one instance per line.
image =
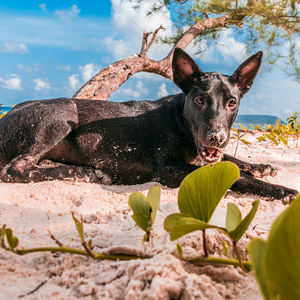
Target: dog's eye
pixel 232 103
pixel 200 100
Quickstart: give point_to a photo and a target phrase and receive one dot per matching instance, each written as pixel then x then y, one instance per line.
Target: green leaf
pixel 237 233
pixel 90 244
pixel 145 238
pixel 187 225
pixel 273 139
pixel 282 263
pixel 201 191
pixel 2 235
pixel 172 220
pixel 12 240
pixel 257 250
pixel 277 131
pixel 284 141
pixel 233 217
pixel 225 248
pixel 243 127
pixel 261 138
pixel 180 251
pixel 145 209
pixel 153 198
pixel 245 142
pixel 79 227
pixel 141 210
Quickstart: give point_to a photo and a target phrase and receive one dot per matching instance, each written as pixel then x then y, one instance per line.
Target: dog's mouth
pixel 210 154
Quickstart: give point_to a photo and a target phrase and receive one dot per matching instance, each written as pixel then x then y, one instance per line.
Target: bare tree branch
pixel 108 80
pixel 145 42
pixel 146 46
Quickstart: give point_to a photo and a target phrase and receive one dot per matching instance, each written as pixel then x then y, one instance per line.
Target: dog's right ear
pixel 246 72
pixel 185 70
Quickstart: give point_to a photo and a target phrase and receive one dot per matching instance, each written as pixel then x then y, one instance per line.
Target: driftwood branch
pixel 108 80
pixel 145 45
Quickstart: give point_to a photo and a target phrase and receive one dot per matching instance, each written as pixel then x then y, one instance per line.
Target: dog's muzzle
pixel 210 155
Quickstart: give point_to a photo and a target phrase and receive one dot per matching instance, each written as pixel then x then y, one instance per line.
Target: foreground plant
pixel 276 261
pixel 199 195
pixel 145 209
pixel 9 242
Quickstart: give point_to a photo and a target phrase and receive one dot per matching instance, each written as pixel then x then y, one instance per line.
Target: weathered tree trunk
pixel 108 80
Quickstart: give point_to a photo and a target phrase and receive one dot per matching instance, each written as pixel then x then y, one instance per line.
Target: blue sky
pixel 50 48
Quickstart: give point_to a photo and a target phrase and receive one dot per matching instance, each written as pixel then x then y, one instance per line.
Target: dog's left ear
pixel 246 72
pixel 185 70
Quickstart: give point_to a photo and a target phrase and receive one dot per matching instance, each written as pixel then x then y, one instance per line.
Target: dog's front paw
pixel 10 174
pixel 259 170
pixel 15 171
pixel 289 198
pixel 289 195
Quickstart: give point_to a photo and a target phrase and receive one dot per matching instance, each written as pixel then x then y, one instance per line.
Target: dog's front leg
pixel 247 184
pixel 256 170
pixel 172 175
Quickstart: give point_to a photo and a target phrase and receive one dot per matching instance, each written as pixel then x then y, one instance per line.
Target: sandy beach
pixel 32 209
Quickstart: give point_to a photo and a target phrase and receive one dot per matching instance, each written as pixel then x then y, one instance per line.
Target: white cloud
pixel 68 14
pixel 131 23
pixel 88 71
pixel 43 7
pixel 137 92
pixel 147 76
pixel 131 93
pixel 53 31
pixel 14 48
pixel 162 92
pixel 40 84
pixel 129 20
pixel 140 87
pixel 119 48
pixel 74 82
pixel 226 48
pixel 30 69
pixel 64 68
pixel 230 48
pixel 12 83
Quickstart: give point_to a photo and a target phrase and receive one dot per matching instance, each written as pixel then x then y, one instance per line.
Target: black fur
pixel 131 142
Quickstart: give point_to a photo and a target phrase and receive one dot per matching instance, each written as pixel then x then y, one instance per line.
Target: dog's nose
pixel 216 139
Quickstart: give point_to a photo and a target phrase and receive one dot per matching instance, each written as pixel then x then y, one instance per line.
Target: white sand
pixel 31 209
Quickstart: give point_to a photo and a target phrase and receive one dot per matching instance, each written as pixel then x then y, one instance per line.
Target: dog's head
pixel 212 100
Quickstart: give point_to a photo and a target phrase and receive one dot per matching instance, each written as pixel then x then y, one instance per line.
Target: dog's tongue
pixel 211 154
pixel 210 151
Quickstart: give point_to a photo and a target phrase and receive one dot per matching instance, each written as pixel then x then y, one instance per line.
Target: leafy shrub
pixel 239 137
pixel 294 125
pixel 275 133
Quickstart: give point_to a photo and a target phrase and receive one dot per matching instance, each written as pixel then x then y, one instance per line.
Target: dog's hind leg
pixel 31 131
pixel 49 170
pixel 256 170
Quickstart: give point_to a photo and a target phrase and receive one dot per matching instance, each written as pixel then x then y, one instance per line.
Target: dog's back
pixel 119 138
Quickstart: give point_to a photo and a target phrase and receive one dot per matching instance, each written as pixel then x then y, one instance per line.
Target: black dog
pixel 133 142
